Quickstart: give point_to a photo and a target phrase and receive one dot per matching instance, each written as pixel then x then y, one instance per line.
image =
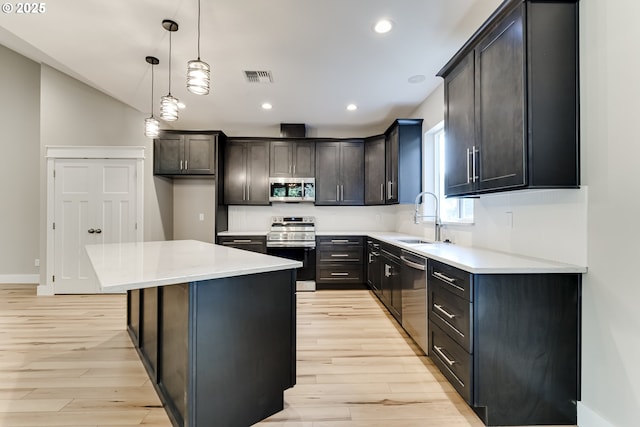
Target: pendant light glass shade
pixel 169 103
pixel 198 73
pixel 151 125
pixel 169 108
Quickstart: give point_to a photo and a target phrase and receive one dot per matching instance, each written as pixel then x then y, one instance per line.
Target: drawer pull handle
pixel 241 241
pixel 443 311
pixel 339 241
pixel 448 280
pixel 446 359
pixel 339 255
pixel 339 274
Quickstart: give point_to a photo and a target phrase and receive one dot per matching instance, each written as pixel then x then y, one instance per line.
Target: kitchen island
pixel 214 326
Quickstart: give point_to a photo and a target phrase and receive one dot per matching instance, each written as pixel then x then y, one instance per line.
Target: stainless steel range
pixel 294 237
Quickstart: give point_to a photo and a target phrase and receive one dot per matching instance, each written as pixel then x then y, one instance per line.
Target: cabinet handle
pixel 387 270
pixel 473 162
pixel 446 359
pixel 339 240
pixel 186 164
pixel 180 164
pixel 339 274
pixel 389 190
pixel 468 166
pixel 294 169
pixel 443 311
pixel 381 192
pixel 248 191
pixel 337 193
pixel 241 241
pixel 448 280
pixel 342 192
pixel 339 255
pixel 370 257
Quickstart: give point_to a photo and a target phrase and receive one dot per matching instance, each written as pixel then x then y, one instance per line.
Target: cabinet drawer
pixel 340 273
pixel 454 280
pixel 249 243
pixel 347 254
pixel 340 241
pixel 452 314
pixel 452 360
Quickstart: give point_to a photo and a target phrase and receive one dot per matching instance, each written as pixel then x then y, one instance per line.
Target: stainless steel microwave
pixel 292 189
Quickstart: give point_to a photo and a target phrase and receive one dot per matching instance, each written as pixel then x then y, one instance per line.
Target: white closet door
pixel 95 202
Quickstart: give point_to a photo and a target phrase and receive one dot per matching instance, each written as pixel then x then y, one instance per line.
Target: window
pixel 452 210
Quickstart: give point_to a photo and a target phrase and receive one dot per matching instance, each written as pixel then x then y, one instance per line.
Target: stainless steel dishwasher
pixel 414 297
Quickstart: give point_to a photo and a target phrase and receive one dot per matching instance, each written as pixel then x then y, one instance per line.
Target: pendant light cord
pixel 151 90
pixel 170 62
pixel 198 30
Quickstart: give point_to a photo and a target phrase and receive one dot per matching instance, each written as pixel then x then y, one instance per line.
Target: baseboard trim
pixel 590 418
pixel 20 279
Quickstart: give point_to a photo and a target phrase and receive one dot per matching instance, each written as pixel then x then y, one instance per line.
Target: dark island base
pixel 219 352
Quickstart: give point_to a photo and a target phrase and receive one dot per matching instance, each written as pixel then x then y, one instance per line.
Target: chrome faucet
pixel 435 216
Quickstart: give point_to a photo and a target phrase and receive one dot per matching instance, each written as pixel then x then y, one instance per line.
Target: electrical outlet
pixel 36 262
pixel 201 217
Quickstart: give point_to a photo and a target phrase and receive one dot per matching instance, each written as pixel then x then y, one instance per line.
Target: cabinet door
pixel 374 171
pixel 235 174
pixel 396 290
pixel 281 161
pixel 257 182
pixel 459 92
pixel 327 169
pixel 304 159
pixel 352 173
pixel 500 106
pixel 393 147
pixel 167 155
pixel 199 154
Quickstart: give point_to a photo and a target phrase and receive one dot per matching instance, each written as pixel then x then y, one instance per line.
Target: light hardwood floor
pixel 68 361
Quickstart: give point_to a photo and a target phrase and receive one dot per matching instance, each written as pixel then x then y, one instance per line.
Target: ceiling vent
pixel 259 76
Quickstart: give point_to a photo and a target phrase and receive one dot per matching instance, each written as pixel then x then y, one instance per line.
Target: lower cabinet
pixel 390 280
pixel 508 343
pixel 248 243
pixel 373 266
pixel 339 262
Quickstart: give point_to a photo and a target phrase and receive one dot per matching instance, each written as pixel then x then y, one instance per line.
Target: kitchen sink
pixel 412 241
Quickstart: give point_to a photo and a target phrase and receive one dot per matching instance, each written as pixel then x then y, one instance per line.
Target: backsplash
pixel 328 218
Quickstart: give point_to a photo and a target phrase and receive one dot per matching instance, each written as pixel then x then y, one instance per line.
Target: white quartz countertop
pixel 126 266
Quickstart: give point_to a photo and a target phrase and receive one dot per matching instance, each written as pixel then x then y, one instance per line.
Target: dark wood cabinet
pixel 508 343
pixel 339 261
pixel 246 174
pixel 374 265
pixel 511 102
pixel 179 154
pixel 248 243
pixel 404 161
pixel 374 171
pixel 340 172
pixel 390 281
pixel 292 159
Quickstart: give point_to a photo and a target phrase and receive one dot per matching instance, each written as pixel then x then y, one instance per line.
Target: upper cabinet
pixel 511 102
pixel 246 173
pixel 183 154
pixel 340 172
pixel 393 164
pixel 292 159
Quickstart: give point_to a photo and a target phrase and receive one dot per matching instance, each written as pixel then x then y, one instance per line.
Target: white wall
pixel 19 175
pixel 610 90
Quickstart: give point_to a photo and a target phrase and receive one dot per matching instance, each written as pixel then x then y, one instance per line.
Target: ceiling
pixel 322 54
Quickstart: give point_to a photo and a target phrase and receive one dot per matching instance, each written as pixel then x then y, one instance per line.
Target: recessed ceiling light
pixel 383 26
pixel 181 105
pixel 352 107
pixel 418 78
pixel 267 106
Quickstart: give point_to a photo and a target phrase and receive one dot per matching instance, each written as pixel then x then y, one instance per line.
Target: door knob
pixel 91 231
pixel 98 231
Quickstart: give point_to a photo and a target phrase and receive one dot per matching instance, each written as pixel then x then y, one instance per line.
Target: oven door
pixel 305 255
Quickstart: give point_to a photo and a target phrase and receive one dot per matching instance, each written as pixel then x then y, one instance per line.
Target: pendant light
pixel 151 124
pixel 169 103
pixel 198 72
